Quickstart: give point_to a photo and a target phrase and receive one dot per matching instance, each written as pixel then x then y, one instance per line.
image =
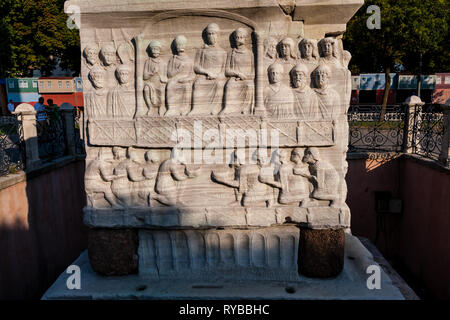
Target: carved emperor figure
pixel 180 72
pixel 109 58
pixel 154 79
pixel 210 69
pixel 239 89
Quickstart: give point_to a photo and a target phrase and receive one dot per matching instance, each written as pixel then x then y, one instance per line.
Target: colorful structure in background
pixel 369 88
pixel 28 90
pixel 61 90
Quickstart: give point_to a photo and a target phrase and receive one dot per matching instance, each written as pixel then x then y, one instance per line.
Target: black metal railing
pixel 12 146
pixel 51 134
pixel 417 130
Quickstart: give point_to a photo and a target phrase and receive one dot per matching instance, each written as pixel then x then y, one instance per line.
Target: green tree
pixel 414 36
pixel 34 35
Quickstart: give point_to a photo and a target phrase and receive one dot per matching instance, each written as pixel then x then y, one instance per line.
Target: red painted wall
pixel 41 230
pixel 418 239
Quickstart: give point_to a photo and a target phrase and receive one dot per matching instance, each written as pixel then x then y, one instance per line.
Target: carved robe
pixel 328 102
pixel 254 191
pixel 306 103
pixel 180 72
pixel 239 94
pixel 208 93
pixel 120 102
pixel 96 103
pixel 294 187
pixel 279 101
pixel 154 69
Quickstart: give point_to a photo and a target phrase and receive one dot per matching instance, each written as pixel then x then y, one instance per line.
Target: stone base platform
pixel 349 285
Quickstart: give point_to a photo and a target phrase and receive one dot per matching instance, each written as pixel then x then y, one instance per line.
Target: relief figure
pixel 324 176
pixel 121 99
pixel 209 67
pixel 180 72
pixel 328 99
pixel 155 77
pixel 240 86
pixel 96 97
pixel 306 103
pixel 278 98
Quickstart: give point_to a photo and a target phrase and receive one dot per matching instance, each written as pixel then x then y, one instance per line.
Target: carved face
pixel 124 76
pixel 307 49
pixel 109 56
pixel 92 56
pixel 308 158
pixel 299 79
pixel 296 156
pixel 211 37
pixel 180 46
pixel 283 156
pixel 240 37
pixel 322 79
pixel 327 48
pixel 97 79
pixel 275 74
pixel 285 50
pixel 155 52
pixel 271 49
pixel 119 153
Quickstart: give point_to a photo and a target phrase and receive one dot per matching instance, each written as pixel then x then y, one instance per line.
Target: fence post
pixel 69 125
pixel 410 128
pixel 27 116
pixel 444 157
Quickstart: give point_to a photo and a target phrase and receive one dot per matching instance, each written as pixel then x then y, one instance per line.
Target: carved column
pixel 259 108
pixel 140 107
pixel 69 125
pixel 27 115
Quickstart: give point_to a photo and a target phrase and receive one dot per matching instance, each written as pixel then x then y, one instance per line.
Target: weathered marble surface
pixel 211 115
pixel 350 284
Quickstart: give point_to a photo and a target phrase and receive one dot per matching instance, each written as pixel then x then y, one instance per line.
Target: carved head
pixel 118 153
pixel 322 76
pixel 211 34
pixel 151 157
pixel 311 156
pixel 270 47
pixel 287 49
pixel 299 76
pixel 275 72
pixel 180 43
pixel 97 77
pixel 123 73
pixel 177 156
pixel 154 48
pixel 108 55
pixel 283 156
pixel 308 49
pixel 328 47
pixel 297 155
pixel 91 54
pixel 240 35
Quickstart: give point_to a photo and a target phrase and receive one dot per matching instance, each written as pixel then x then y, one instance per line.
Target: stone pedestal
pixel 215 131
pixel 321 252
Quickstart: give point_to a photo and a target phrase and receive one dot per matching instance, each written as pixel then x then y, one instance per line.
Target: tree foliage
pixel 409 29
pixel 34 35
